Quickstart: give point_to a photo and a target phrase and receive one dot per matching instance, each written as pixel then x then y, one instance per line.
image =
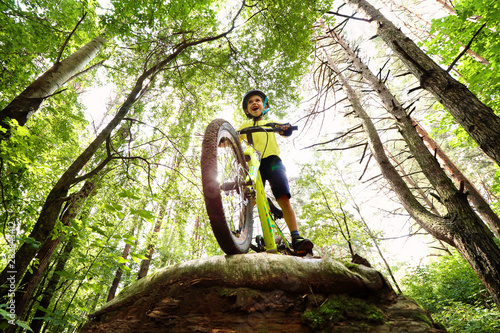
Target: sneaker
pixel 302 246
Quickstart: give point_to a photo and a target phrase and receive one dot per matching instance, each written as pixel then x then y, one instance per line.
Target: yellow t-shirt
pixel 264 142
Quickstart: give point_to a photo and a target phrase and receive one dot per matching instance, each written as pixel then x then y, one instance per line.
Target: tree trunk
pixel 461 227
pixel 432 208
pixel 431 168
pixel 482 207
pixel 143 270
pixel 475 117
pixel 119 271
pixel 48 293
pixel 58 195
pixel 446 6
pixel 30 280
pixel 25 104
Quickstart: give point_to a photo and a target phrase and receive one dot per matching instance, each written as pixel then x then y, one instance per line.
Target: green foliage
pixel 34 156
pixel 342 308
pixel 325 221
pixel 447 280
pixel 7 320
pixel 496 189
pixel 274 49
pixel 453 294
pixel 155 173
pixel 446 126
pixel 454 32
pixel 460 317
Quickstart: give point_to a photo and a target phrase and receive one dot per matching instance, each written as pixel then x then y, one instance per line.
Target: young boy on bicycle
pixel 255 105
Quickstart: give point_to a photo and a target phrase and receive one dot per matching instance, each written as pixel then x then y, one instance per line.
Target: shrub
pixel 454 295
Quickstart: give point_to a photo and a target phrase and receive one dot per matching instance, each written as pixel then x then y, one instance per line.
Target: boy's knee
pixel 284 200
pixel 284 197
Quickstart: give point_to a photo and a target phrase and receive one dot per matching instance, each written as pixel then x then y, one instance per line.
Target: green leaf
pixel 125 268
pixel 24 325
pixel 140 256
pixel 135 258
pixel 29 240
pixel 121 260
pixel 109 207
pixel 128 194
pixel 143 213
pixel 98 230
pixel 68 275
pixel 130 240
pixel 22 131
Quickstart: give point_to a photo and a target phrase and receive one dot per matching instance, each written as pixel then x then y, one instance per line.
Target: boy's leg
pixel 288 213
pixel 301 245
pixel 273 170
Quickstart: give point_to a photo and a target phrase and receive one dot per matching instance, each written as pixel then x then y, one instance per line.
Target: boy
pixel 255 105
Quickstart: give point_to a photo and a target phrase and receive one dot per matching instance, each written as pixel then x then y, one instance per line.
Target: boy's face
pixel 255 105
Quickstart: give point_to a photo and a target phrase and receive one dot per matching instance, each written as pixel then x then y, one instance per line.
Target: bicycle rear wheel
pixel 223 174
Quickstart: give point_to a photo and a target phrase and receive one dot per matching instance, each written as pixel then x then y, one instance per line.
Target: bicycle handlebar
pixel 273 128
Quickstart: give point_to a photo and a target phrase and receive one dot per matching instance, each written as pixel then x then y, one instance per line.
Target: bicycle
pixel 232 185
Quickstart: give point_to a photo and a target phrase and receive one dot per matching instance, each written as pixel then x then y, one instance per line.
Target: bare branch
pixel 466 48
pixel 349 16
pixel 69 37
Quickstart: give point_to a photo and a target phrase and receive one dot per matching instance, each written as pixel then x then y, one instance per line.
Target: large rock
pixel 264 293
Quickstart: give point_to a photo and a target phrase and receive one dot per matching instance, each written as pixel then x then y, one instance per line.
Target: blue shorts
pixel 272 170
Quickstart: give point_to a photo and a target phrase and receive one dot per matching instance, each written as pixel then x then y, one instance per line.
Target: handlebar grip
pixel 289 131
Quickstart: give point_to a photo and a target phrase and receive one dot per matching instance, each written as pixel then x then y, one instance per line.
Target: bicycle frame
pixel 269 227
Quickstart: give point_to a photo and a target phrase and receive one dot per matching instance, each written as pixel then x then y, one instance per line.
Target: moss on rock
pixel 342 308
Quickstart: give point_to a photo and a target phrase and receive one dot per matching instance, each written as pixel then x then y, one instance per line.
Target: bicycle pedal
pixel 303 253
pixel 259 244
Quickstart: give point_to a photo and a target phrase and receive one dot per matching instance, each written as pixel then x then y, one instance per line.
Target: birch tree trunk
pixel 479 120
pixel 22 107
pixel 59 193
pixel 461 227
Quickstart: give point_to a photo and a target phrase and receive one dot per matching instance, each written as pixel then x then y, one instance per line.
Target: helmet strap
pixel 266 109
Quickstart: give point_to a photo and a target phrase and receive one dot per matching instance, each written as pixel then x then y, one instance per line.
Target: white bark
pixel 22 107
pixel 67 68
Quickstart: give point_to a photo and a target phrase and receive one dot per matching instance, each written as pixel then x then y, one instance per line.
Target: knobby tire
pixel 223 172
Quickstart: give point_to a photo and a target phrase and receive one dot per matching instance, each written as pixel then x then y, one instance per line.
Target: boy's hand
pixel 284 129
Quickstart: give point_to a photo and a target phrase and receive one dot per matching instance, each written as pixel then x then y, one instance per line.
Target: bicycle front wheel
pixel 223 172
